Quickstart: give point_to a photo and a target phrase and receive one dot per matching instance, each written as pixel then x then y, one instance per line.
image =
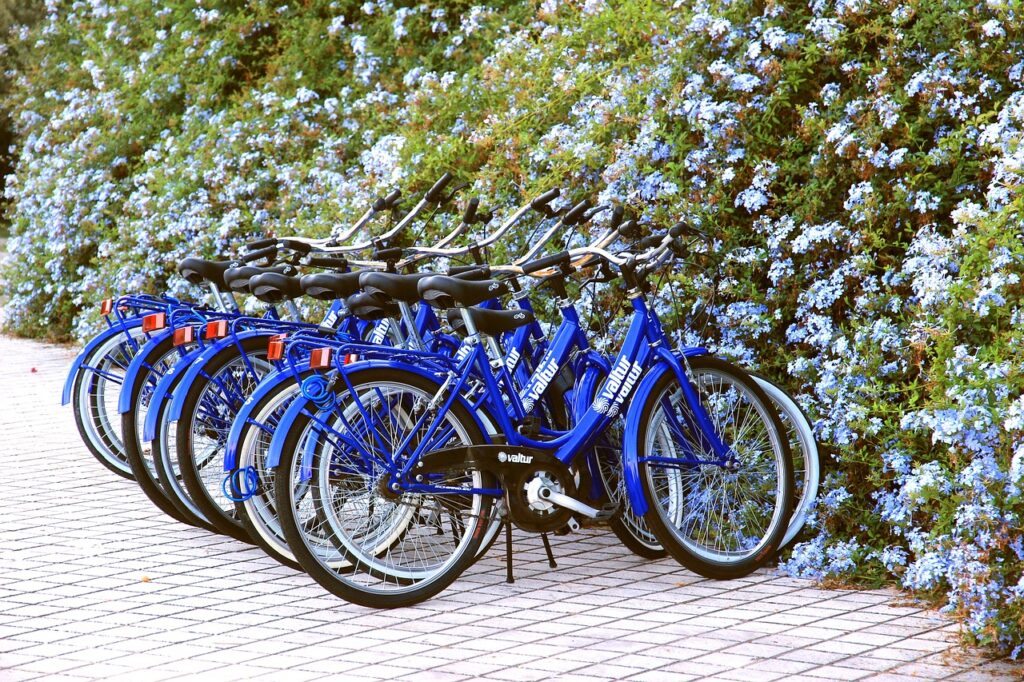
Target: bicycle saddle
pixel 237 279
pixel 399 287
pixel 367 306
pixel 490 322
pixel 198 270
pixel 448 292
pixel 328 286
pixel 273 287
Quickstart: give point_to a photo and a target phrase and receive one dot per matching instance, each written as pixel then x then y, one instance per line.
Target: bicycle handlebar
pixel 434 193
pixel 265 252
pixel 541 202
pixel 261 243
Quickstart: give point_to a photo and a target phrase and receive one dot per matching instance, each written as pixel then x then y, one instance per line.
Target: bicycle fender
pixel 199 365
pixel 137 365
pixel 164 388
pixel 284 425
pixel 594 371
pixel 90 347
pixel 277 441
pixel 634 415
pixel 268 384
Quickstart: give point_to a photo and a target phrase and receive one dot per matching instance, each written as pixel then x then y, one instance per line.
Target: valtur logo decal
pixel 514 458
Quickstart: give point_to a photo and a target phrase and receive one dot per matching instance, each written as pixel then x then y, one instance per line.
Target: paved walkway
pixel 97 584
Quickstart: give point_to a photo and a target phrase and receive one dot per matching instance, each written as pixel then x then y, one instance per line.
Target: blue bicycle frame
pixel 645 347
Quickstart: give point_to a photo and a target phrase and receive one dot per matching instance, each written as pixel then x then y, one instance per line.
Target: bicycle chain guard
pixel 515 467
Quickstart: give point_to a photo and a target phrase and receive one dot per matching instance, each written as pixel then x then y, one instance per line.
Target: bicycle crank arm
pixel 562 500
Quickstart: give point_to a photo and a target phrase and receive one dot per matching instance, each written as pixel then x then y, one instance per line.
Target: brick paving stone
pixel 76 543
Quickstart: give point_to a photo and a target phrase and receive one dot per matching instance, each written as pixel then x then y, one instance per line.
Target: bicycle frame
pixel 643 348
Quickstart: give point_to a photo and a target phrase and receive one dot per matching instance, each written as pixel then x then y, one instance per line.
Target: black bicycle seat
pixel 399 287
pixel 367 306
pixel 491 322
pixel 448 292
pixel 272 287
pixel 328 286
pixel 237 279
pixel 198 270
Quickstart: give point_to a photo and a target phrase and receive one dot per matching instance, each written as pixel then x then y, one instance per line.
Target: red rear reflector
pixel 107 306
pixel 275 347
pixel 217 329
pixel 151 323
pixel 320 358
pixel 350 358
pixel 183 335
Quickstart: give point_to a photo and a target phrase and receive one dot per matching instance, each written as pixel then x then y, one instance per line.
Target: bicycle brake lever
pixel 456 190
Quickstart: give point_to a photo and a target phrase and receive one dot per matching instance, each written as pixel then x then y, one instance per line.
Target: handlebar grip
pixel 681 228
pixel 379 204
pixel 544 199
pixel 470 214
pixel 575 213
pixel 261 243
pixel 433 194
pixel 475 274
pixel 618 213
pixel 392 198
pixel 327 262
pixel 650 241
pixel 295 245
pixel 388 255
pixel 560 258
pixel 629 229
pixel 266 252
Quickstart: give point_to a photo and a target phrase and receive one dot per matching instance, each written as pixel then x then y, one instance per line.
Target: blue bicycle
pixel 397 469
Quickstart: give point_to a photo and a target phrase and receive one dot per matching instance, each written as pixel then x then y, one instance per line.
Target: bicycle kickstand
pixel 547 550
pixel 508 552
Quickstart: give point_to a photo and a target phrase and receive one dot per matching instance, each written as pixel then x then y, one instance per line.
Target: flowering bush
pixel 858 165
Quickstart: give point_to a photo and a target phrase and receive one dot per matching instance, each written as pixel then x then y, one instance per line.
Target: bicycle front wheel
pixel 806 456
pixel 720 516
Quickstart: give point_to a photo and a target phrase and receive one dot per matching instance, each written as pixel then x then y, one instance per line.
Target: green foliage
pixel 858 165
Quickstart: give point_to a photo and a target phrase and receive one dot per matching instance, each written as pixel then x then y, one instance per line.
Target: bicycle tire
pixel 715 563
pixel 355 584
pixel 98 422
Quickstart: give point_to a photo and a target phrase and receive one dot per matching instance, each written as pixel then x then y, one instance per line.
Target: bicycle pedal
pixel 570 526
pixel 607 512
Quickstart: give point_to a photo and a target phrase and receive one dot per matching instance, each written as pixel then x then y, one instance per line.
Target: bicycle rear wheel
pixel 94 399
pixel 719 518
pixel 210 405
pixel 159 359
pixel 401 547
pixel 258 511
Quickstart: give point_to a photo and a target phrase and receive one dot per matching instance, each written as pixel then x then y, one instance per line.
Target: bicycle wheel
pixel 159 358
pixel 401 547
pixel 629 527
pixel 721 519
pixel 94 399
pixel 210 405
pixel 806 457
pixel 258 512
pixel 165 458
